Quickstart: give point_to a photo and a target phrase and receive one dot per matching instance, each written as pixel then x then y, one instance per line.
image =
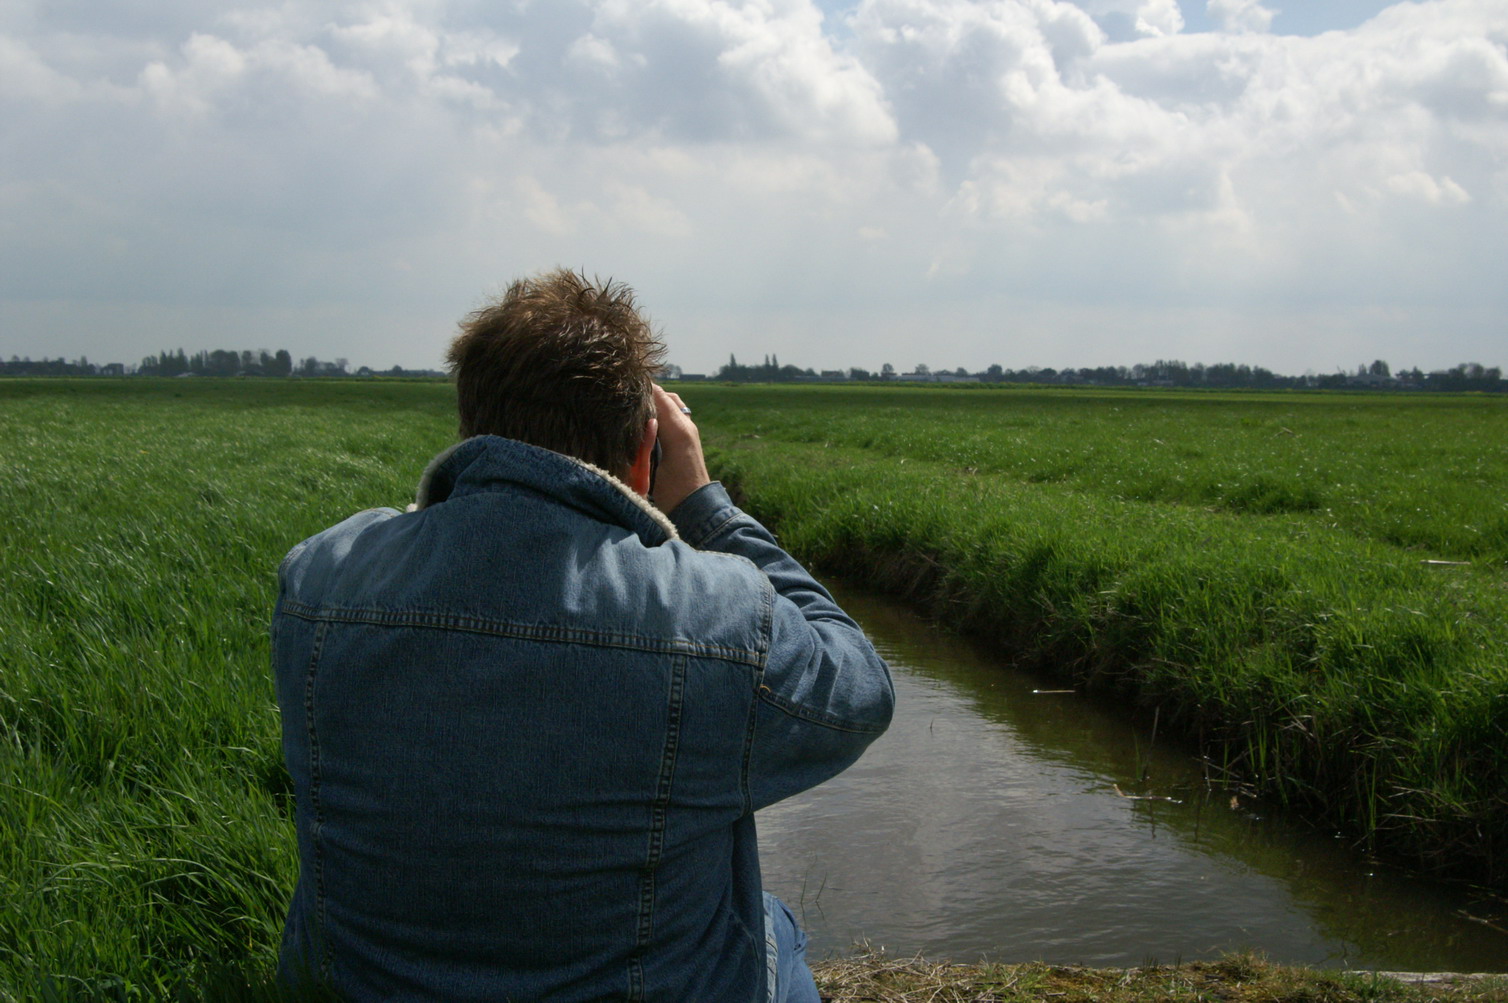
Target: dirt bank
pixel 874 978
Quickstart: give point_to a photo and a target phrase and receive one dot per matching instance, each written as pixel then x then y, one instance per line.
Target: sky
pixel 1304 185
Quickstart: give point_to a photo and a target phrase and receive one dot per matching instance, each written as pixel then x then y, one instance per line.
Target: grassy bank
pixel 1253 567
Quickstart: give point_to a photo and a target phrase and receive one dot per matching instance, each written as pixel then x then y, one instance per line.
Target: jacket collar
pixel 485 462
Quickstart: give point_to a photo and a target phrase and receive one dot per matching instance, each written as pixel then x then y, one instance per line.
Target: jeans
pixel 791 980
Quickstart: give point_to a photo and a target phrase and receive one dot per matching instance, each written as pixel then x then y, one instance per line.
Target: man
pixel 530 720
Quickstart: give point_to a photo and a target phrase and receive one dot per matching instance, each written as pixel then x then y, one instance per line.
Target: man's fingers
pixel 671 409
pixel 683 469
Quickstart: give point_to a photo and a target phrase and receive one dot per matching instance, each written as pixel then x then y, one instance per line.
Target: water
pixel 990 822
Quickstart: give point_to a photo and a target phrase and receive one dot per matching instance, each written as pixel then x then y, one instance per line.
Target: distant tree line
pixel 225 362
pixel 1162 373
pixel 59 367
pixel 220 362
pixel 770 371
pixel 217 362
pixel 1468 376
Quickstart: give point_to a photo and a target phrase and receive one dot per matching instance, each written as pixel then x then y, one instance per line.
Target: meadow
pixel 1249 566
pixel 145 815
pixel 1311 587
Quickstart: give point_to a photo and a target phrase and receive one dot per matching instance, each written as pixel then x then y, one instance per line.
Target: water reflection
pixel 987 823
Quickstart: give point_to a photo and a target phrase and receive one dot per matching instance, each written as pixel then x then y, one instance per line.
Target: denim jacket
pixel 528 725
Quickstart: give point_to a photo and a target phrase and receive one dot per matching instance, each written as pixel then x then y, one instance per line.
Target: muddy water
pixel 990 822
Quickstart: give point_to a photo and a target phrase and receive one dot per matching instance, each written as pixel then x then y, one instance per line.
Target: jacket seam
pixel 714 529
pixel 766 632
pixel 522 631
pixel 796 710
pixel 756 945
pixel 317 822
pixel 766 619
pixel 288 558
pixel 658 821
pixel 746 562
pixel 748 756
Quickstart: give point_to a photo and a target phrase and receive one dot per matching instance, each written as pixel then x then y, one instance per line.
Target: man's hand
pixel 683 469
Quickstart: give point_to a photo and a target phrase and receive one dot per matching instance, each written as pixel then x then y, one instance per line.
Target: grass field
pixel 1253 567
pixel 145 834
pixel 1249 565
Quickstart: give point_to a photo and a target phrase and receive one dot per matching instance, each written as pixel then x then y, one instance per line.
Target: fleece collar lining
pixel 425 496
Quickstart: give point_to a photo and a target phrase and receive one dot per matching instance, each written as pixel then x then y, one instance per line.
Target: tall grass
pixel 146 842
pixel 1252 567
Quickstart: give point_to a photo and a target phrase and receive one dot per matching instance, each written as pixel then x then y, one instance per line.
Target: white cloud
pixel 29 78
pixel 1159 17
pixel 1421 186
pixel 706 69
pixel 393 38
pixel 209 66
pixel 1126 19
pixel 210 76
pixel 591 52
pixel 1240 15
pixel 635 208
pixel 544 210
pixel 966 77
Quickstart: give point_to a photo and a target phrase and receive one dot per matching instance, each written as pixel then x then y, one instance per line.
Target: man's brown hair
pixel 562 362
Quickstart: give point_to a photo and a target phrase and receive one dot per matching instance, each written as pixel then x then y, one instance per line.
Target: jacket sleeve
pixel 825 694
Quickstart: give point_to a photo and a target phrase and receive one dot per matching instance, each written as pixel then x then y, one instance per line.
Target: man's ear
pixel 642 469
